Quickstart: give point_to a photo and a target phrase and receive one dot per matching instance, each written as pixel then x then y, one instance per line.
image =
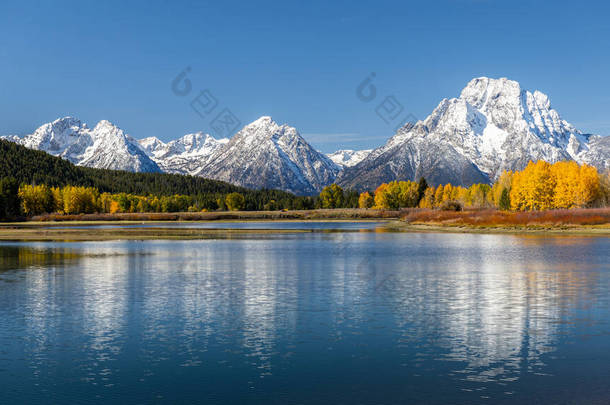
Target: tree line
pixel 30 200
pixel 43 173
pixel 34 182
pixel 540 186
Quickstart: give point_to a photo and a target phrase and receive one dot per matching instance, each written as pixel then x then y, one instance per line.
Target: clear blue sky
pixel 297 61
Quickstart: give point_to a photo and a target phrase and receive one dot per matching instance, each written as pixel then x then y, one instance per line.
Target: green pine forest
pixel 20 166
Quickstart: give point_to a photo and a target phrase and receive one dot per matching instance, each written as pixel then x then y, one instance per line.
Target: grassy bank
pixel 30 233
pixel 65 227
pixel 321 214
pixel 575 220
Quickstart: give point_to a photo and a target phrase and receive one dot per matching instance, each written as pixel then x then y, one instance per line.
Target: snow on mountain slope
pixel 186 155
pixel 105 146
pixel 598 152
pixel 113 149
pixel 151 145
pixel 493 126
pixel 267 155
pixel 348 157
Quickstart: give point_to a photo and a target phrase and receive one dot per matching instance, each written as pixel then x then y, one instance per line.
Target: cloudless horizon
pixel 299 62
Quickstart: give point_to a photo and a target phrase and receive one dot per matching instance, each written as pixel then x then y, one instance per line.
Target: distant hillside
pixel 37 167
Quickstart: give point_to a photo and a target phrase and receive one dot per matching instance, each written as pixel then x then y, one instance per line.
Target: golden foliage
pixel 544 186
pixel 332 196
pixel 540 186
pixel 36 200
pixel 365 200
pixel 397 194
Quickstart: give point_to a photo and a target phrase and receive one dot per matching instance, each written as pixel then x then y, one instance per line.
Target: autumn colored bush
pixel 492 217
pixel 451 205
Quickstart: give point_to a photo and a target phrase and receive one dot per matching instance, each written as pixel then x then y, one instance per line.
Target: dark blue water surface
pixel 297 318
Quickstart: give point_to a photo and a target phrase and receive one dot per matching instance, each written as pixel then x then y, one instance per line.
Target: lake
pixel 346 317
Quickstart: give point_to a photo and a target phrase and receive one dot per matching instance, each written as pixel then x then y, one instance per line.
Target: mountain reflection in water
pixel 327 317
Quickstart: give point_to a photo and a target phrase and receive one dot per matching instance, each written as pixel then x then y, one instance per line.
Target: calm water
pixel 337 318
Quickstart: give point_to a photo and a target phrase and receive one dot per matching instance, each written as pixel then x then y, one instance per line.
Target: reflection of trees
pixel 23 257
pixel 217 293
pixel 104 288
pixel 493 313
pixel 74 288
pixel 491 305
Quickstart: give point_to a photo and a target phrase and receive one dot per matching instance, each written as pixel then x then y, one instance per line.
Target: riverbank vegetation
pixel 34 184
pixel 594 218
pixel 540 186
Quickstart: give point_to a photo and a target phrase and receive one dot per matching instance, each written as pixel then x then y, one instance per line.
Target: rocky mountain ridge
pixel 493 125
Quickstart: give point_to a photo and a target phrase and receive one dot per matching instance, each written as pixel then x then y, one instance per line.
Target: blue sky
pixel 298 61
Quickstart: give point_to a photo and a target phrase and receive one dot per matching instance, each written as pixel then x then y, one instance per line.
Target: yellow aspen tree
pixel 438 195
pixel 381 196
pixel 428 200
pixel 455 190
pixel 539 185
pixel 589 186
pixel 517 192
pixel 365 200
pixel 503 182
pixel 58 200
pixel 114 207
pixel 462 196
pixel 409 193
pixel 447 191
pixel 566 184
pixel 392 199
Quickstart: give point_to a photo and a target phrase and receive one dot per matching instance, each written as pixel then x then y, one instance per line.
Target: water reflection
pixel 474 314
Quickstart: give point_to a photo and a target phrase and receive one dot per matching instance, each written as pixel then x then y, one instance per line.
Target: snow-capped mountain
pixel 186 155
pixel 348 157
pixel 494 125
pixel 105 146
pixel 267 155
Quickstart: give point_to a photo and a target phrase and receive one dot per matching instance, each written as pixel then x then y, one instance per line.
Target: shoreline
pixel 79 231
pixel 593 230
pixel 341 214
pixel 124 226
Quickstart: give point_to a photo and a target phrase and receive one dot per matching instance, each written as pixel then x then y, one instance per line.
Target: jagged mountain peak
pixel 348 157
pixel 494 125
pixel 510 107
pixel 105 125
pixel 104 146
pixel 263 127
pixel 55 135
pixel 264 122
pixel 151 143
pixel 195 141
pixel 185 155
pixel 64 123
pixel 264 154
pixel 483 90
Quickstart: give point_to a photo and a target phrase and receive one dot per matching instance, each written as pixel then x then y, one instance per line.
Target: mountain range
pixel 494 125
pixel 105 146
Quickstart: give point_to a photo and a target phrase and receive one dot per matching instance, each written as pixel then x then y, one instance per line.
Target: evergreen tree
pixel 9 198
pixel 504 203
pixel 422 185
